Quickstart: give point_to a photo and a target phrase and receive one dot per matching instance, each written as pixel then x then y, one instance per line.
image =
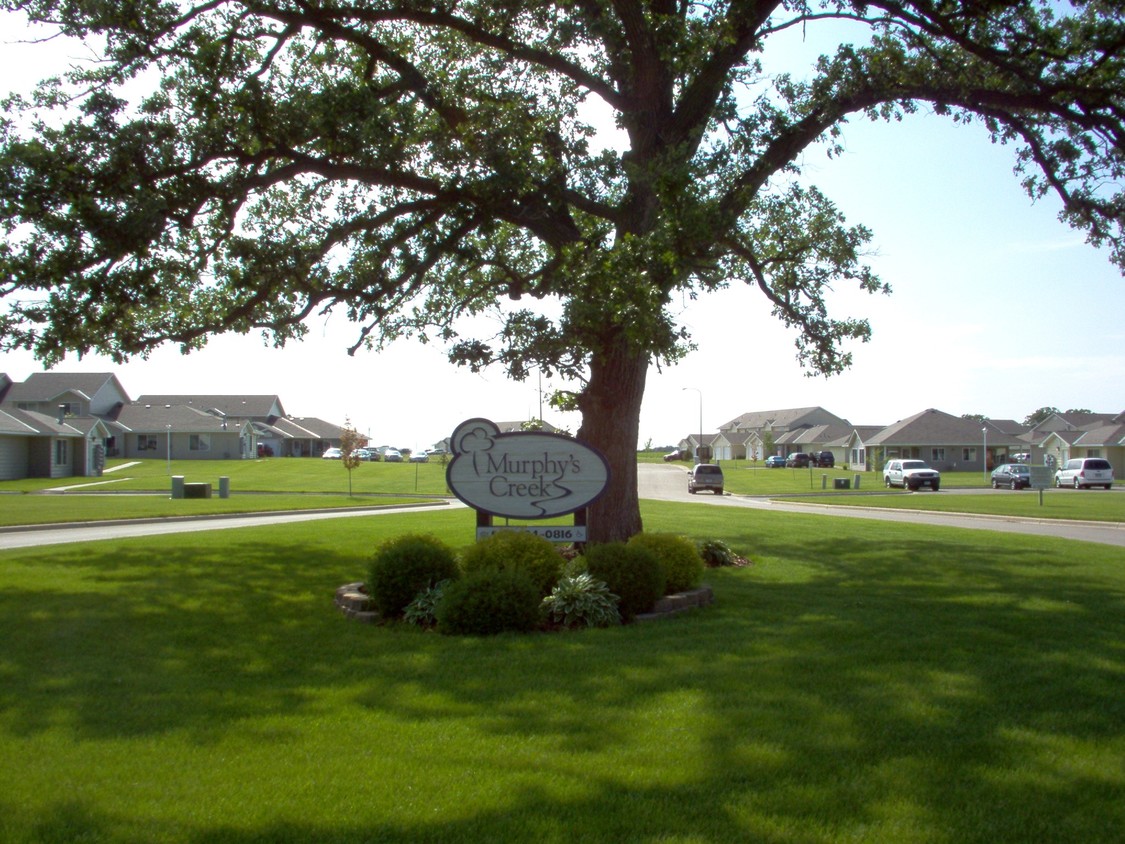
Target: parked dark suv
pixel 798 460
pixel 824 459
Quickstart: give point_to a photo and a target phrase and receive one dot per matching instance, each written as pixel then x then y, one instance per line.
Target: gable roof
pixel 47 386
pixel 242 407
pixel 1071 422
pixel 181 419
pixel 783 418
pixel 1007 426
pixel 305 427
pixel 30 423
pixel 17 422
pixel 935 427
pixel 1102 435
pixel 864 433
pixel 816 435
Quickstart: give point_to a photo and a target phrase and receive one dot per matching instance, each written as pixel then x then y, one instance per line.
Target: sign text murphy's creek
pixel 525 474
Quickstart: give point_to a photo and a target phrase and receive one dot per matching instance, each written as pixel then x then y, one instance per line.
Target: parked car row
pixel 1079 473
pixel 389 455
pixel 802 460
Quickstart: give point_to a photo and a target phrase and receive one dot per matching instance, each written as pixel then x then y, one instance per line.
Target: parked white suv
pixel 911 474
pixel 1085 472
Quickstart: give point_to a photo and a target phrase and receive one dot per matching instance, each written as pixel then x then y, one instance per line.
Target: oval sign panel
pixel 523 475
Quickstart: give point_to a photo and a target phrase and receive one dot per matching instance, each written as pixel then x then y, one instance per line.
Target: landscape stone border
pixel 354 602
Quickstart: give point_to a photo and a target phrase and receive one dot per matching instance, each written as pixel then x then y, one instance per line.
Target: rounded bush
pixel 489 601
pixel 510 550
pixel 632 573
pixel 404 566
pixel 679 557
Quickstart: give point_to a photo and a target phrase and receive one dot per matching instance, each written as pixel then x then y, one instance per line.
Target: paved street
pixel 10 538
pixel 656 481
pixel 667 482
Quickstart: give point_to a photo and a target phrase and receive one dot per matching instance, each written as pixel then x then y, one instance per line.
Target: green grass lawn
pixel 52 509
pixel 275 474
pixel 256 485
pixel 269 485
pixel 916 684
pixel 1082 505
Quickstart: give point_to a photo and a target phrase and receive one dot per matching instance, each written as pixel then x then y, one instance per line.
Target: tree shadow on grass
pixel 835 690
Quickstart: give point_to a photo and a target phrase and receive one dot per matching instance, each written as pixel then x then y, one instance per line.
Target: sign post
pixel 525 475
pixel 1040 479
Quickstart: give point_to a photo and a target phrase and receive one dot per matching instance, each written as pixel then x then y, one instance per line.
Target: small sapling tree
pixel 350 443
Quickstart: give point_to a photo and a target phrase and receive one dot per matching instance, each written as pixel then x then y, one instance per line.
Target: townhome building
pixel 54 426
pixel 59 424
pixel 1065 436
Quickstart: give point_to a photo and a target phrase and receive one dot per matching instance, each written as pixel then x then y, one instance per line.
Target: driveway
pixel 669 483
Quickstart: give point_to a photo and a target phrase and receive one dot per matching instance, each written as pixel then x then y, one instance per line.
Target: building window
pixel 200 442
pixel 969 455
pixel 60 453
pixel 937 455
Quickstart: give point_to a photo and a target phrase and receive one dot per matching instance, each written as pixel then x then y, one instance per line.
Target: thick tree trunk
pixel 611 418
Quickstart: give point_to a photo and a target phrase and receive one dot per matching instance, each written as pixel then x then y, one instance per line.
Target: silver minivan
pixel 1085 472
pixel 706 476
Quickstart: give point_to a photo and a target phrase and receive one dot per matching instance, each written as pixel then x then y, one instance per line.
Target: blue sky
pixel 997 308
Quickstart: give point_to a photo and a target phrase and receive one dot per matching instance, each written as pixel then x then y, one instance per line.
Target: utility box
pixel 197 490
pixel 841 483
pixel 177 486
pixel 856 484
pixel 224 487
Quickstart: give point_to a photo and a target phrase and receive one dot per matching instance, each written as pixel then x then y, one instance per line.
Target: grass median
pixel 1068 504
pixel 907 684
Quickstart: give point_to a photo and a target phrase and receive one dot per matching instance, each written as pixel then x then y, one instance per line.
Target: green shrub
pixel 633 573
pixel 574 566
pixel 423 609
pixel 489 601
pixel 581 601
pixel 716 553
pixel 683 567
pixel 511 550
pixel 404 566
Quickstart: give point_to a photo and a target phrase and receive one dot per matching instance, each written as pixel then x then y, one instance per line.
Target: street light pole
pixel 169 429
pixel 984 456
pixel 699 449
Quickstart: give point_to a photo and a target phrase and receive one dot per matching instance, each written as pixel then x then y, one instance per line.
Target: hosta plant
pixel 716 553
pixel 423 609
pixel 582 601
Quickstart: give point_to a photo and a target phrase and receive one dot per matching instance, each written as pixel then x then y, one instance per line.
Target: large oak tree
pixel 239 165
